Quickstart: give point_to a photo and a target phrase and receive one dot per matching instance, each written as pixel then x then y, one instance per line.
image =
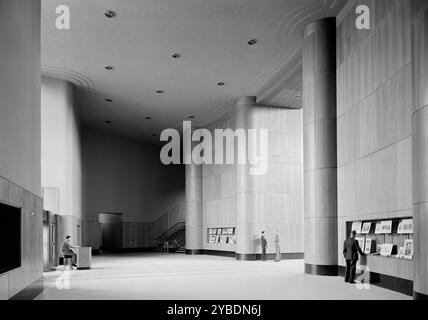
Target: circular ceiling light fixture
pixel 252 42
pixel 176 55
pixel 109 68
pixel 159 91
pixel 148 118
pixel 154 134
pixel 110 14
pixel 220 84
pixel 109 100
pixel 191 117
pixel 108 121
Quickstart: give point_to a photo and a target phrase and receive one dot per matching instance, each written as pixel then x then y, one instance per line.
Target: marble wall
pixel 20 184
pixel 374 107
pixel 31 269
pixel 277 196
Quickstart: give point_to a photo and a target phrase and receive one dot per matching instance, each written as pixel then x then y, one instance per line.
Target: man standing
pixel 351 248
pixel 263 243
pixel 276 240
pixel 66 250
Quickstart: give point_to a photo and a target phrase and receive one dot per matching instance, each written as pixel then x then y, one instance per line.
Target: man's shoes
pixel 75 265
pixel 352 282
pixel 347 281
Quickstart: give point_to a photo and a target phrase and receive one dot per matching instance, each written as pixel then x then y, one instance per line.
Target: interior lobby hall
pixel 214 150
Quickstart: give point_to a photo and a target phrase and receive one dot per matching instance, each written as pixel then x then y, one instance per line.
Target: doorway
pixel 111 231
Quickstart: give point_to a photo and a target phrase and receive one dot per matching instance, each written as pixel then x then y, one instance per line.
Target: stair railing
pixel 165 235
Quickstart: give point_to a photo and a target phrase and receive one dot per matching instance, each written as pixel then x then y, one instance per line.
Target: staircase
pixel 175 237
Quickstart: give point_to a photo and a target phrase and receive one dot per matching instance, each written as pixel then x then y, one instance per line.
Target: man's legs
pixel 347 270
pixel 353 270
pixel 263 253
pixel 278 252
pixel 73 258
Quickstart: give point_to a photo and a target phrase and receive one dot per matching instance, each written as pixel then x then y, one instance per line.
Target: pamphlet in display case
pixel 400 253
pixel 405 226
pixel 370 244
pixel 366 227
pixel 356 226
pixel 408 249
pixel 378 229
pixel 387 249
pixel 386 226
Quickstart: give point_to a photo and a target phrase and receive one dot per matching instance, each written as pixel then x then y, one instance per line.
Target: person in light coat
pixel 276 241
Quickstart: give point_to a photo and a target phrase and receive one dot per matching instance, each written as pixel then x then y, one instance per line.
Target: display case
pixel 388 245
pixel 223 235
pixel 388 237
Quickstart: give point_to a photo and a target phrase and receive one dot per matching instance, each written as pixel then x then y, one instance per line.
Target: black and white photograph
pixel 179 153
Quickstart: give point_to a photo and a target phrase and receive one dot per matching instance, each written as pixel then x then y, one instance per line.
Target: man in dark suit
pixel 351 249
pixel 263 243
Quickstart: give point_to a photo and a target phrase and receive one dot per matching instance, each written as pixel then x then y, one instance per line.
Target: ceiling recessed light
pixel 154 134
pixel 159 91
pixel 108 121
pixel 148 118
pixel 191 117
pixel 110 14
pixel 252 42
pixel 176 55
pixel 220 84
pixel 109 100
pixel 109 67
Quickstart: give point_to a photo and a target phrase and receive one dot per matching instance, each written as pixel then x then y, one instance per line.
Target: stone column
pixel 194 210
pixel 320 147
pixel 246 228
pixel 420 148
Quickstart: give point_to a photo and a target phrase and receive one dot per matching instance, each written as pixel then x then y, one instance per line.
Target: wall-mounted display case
pixel 222 235
pixel 387 237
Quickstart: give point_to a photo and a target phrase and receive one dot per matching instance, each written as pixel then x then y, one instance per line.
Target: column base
pixel 248 256
pixel 322 270
pixel 419 296
pixel 195 251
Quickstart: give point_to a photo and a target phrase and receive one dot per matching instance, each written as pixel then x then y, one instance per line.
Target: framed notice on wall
pixel 212 231
pixel 212 239
pixel 219 230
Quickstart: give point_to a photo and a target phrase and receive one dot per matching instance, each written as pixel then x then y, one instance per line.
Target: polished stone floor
pixel 177 276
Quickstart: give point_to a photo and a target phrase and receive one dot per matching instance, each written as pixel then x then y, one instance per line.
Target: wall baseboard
pixel 322 270
pixel 419 296
pixel 246 256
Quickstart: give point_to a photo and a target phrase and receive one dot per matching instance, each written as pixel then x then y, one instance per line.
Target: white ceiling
pixel 210 35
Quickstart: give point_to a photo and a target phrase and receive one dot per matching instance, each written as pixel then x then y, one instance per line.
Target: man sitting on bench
pixel 67 252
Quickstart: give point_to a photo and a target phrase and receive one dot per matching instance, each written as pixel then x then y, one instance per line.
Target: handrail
pixel 169 232
pixel 166 213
